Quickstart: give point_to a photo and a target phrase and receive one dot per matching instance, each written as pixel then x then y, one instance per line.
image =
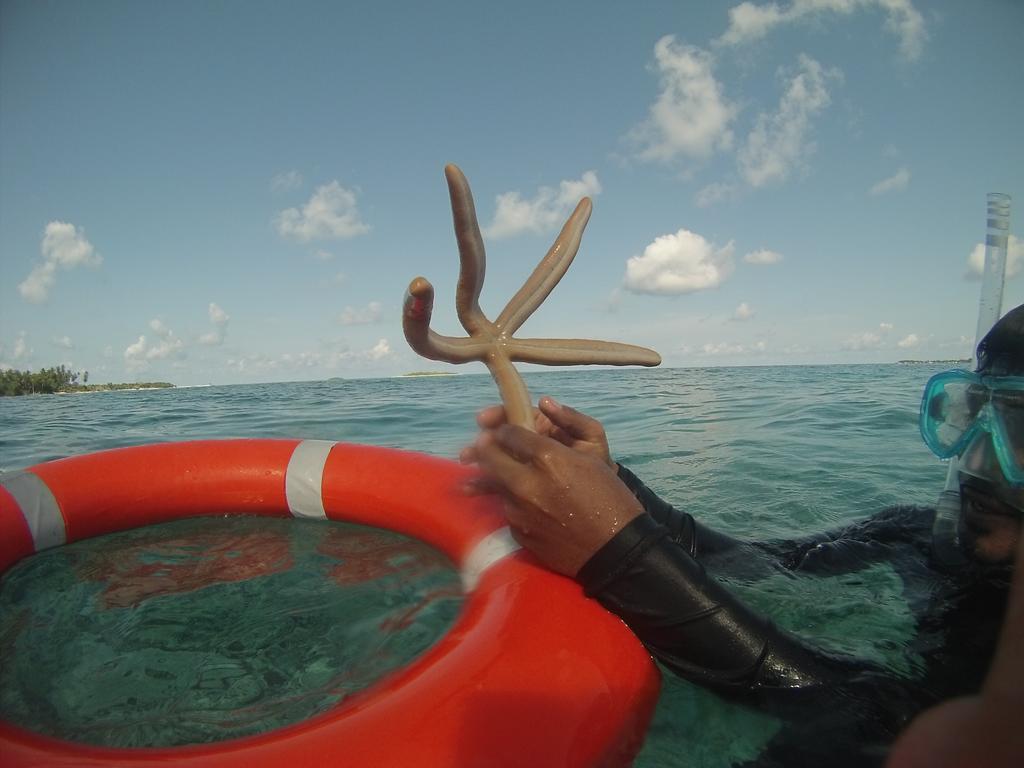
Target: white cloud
pixel 724 348
pixel 381 350
pixel 909 341
pixel 21 347
pixel 160 329
pixel 780 139
pixel 217 315
pixel 1014 259
pixel 691 116
pixel 137 350
pixel 545 211
pixel 763 256
pixel 898 180
pixel 330 214
pixel 167 346
pixel 859 341
pixel 679 263
pixel 170 347
pixel 36 287
pixel 885 327
pixel 64 246
pixel 219 318
pixel 364 316
pixel 715 193
pixel 334 355
pixel 256 363
pixel 323 255
pixel 64 342
pixel 286 181
pixel 749 22
pixel 743 312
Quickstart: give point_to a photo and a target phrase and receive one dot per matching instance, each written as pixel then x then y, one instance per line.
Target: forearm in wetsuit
pixel 697 628
pixel 695 538
pixel 851 548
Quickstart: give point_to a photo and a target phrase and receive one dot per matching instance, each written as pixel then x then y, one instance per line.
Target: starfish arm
pixel 547 274
pixel 512 389
pixel 416 312
pixel 580 352
pixel 472 258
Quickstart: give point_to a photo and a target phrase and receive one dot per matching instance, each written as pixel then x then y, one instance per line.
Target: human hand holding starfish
pixel 493 343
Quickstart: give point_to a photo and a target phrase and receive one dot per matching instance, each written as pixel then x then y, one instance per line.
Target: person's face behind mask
pixel 990 509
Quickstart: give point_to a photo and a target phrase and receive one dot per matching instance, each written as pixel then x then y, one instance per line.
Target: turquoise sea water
pixel 758 452
pixel 212 628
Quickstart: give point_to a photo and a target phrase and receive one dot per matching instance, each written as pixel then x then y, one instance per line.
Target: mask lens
pixel 950 409
pixel 1008 408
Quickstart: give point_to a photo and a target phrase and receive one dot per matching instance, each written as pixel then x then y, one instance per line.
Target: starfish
pixel 493 343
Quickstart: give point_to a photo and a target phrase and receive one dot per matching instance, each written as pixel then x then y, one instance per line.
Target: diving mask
pixel 960 406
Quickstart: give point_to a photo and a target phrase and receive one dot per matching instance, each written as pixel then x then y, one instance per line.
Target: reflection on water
pixel 212 628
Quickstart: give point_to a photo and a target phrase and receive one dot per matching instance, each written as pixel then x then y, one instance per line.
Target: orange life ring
pixel 531 674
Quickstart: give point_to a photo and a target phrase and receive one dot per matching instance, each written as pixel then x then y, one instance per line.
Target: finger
pixel 468 455
pixel 491 417
pixel 521 444
pixel 573 422
pixel 542 424
pixel 520 522
pixel 479 486
pixel 522 535
pixel 497 462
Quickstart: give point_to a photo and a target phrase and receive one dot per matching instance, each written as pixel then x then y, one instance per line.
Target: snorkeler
pixel 586 517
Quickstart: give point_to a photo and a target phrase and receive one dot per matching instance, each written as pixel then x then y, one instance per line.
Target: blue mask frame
pixel 958 405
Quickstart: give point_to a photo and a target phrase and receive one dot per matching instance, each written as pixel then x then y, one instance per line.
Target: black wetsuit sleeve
pixel 886 537
pixel 695 627
pixel 695 538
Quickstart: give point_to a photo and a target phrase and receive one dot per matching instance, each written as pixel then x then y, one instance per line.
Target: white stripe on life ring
pixel 39 508
pixel 304 479
pixel 489 550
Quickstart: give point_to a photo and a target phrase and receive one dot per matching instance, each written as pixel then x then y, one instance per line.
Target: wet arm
pixel 697 628
pixel 695 538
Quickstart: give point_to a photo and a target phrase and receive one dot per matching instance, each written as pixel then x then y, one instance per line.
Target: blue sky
pixel 219 192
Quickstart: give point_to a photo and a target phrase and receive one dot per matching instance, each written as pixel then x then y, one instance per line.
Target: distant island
pixel 60 380
pixel 430 373
pixel 932 362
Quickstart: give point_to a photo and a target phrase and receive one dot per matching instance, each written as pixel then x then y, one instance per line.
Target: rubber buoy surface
pixel 531 674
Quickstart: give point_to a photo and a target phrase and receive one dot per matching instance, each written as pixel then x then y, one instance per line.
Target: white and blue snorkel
pixel 945 532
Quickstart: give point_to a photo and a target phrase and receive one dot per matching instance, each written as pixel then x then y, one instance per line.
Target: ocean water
pixel 213 628
pixel 760 452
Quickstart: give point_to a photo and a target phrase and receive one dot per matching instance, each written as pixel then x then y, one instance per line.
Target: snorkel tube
pixel 945 531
